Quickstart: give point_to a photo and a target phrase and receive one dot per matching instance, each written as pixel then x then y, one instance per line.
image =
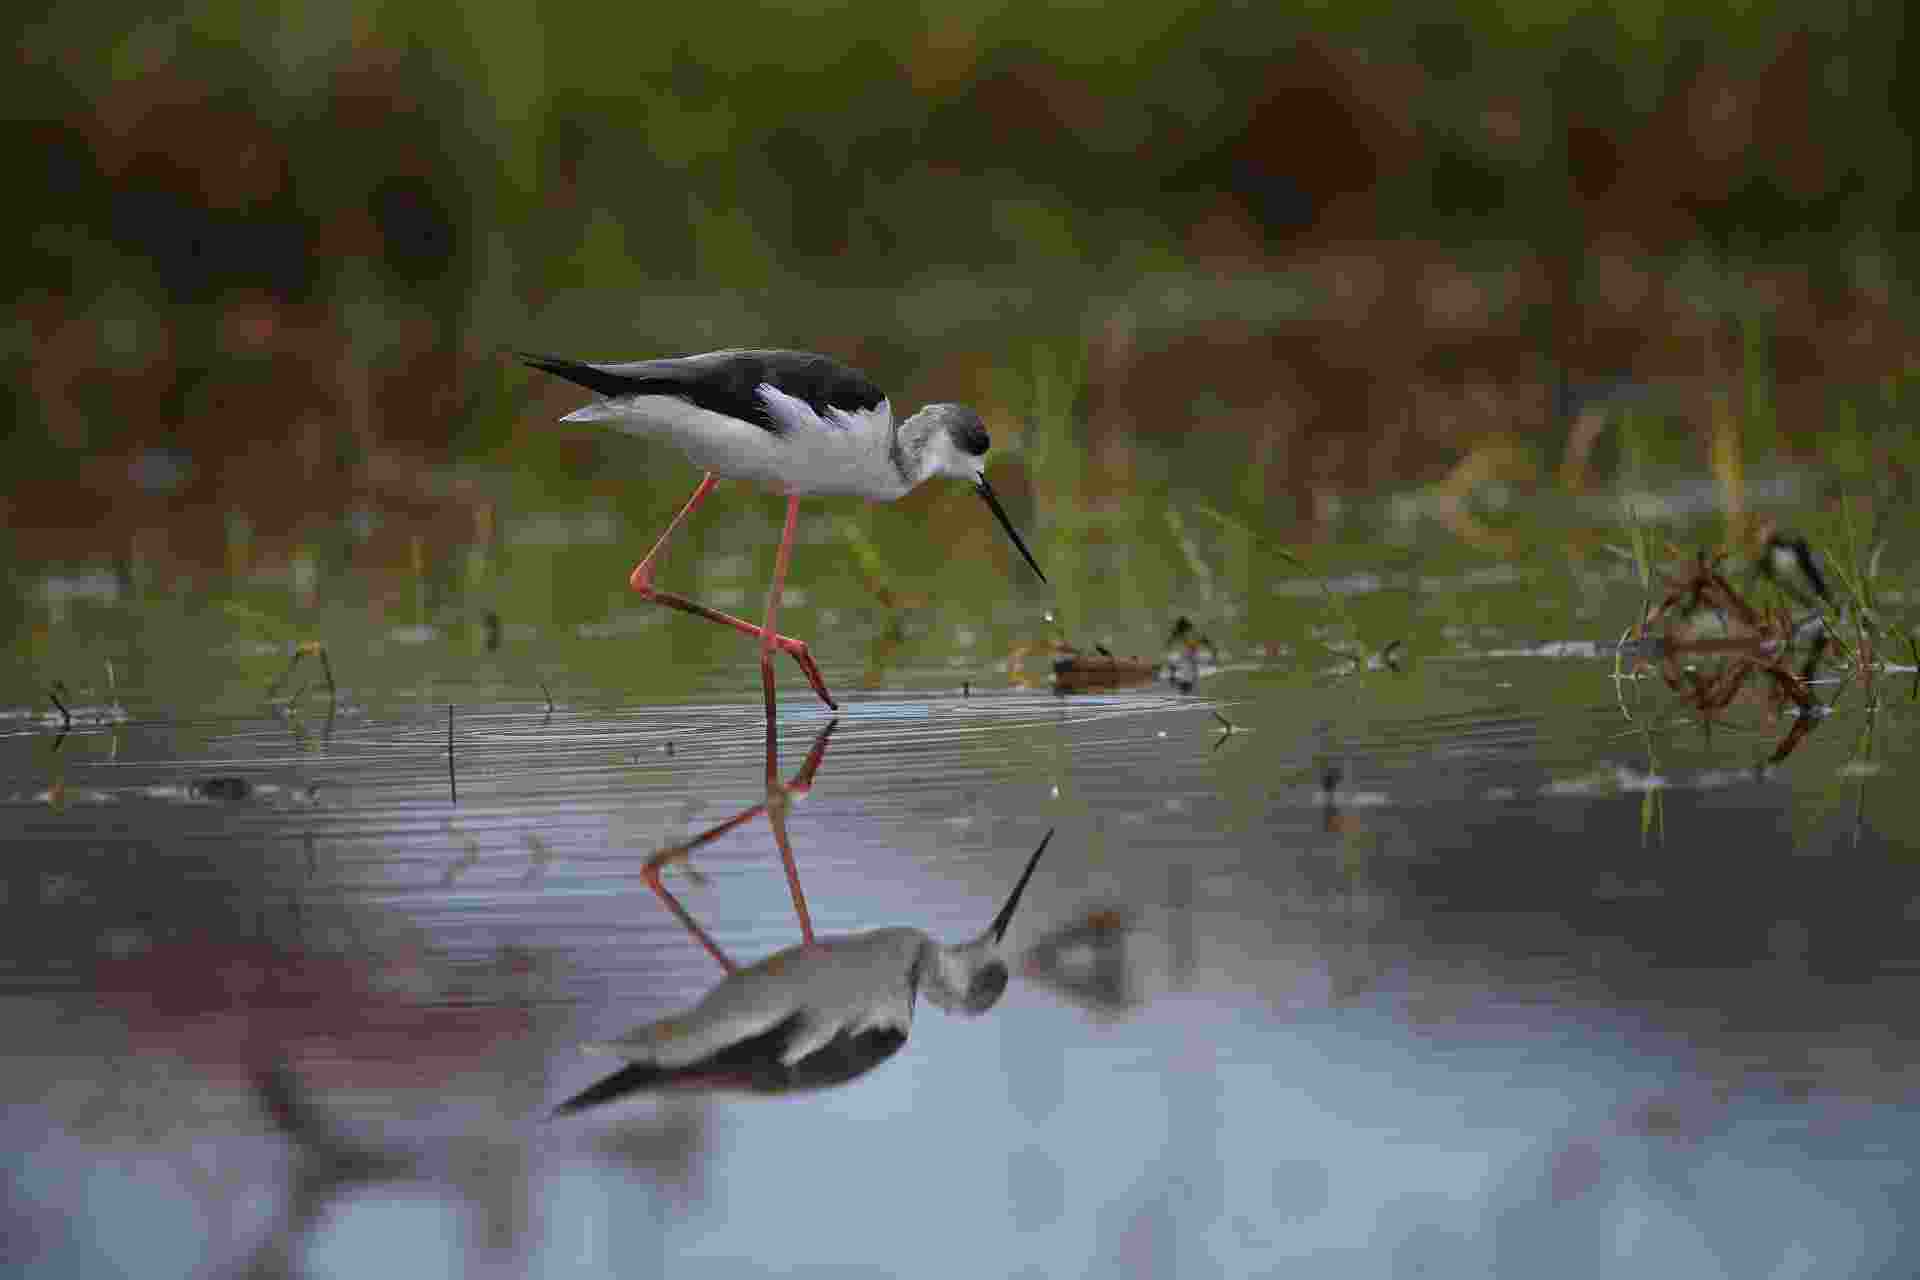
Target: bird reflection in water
pixel 484 1175
pixel 328 1165
pixel 1088 962
pixel 814 1015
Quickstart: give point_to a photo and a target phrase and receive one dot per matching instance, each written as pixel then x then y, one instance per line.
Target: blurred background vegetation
pixel 267 259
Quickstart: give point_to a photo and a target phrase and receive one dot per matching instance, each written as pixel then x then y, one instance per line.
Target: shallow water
pixel 1451 970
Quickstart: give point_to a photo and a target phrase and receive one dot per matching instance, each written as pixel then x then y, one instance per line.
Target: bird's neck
pixel 913 451
pixel 944 972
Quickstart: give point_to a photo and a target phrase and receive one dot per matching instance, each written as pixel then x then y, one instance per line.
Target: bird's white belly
pixel 814 459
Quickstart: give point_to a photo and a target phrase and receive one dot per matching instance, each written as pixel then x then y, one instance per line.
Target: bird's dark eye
pixel 972 438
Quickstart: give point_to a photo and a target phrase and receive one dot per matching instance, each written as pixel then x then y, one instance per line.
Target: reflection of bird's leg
pixel 768 636
pixel 641 580
pixel 678 853
pixel 779 800
pixel 802 781
pixel 775 806
pixel 777 818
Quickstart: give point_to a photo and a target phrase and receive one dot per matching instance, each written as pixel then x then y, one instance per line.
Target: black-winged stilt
pixel 793 422
pixel 812 1015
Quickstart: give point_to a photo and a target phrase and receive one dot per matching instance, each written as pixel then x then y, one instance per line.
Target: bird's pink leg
pixel 641 580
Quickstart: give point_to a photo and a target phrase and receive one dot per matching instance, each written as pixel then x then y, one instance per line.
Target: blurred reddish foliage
pixel 309 264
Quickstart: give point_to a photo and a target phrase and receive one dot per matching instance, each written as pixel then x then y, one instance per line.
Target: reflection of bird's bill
pixel 998 929
pixel 986 493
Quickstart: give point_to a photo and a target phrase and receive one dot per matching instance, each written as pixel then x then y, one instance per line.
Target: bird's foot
pixel 798 649
pixel 643 583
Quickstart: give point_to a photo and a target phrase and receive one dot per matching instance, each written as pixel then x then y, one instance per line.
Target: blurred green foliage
pixel 740 147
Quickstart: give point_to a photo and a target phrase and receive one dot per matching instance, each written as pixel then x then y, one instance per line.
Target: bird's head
pixel 951 440
pixel 970 978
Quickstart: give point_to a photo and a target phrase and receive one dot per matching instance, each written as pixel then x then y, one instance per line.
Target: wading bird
pixel 808 1017
pixel 792 422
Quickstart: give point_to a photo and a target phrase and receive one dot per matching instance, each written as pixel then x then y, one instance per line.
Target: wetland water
pixel 1423 931
pixel 1492 964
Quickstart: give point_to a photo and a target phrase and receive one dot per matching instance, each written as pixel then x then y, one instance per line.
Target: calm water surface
pixel 1452 971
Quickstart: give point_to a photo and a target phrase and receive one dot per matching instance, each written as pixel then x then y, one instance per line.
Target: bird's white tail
pixel 598 411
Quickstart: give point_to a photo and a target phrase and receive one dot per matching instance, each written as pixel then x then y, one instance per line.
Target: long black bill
pixel 1000 922
pixel 1000 513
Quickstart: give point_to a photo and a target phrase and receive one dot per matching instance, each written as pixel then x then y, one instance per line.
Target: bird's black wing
pixel 752 1066
pixel 727 382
